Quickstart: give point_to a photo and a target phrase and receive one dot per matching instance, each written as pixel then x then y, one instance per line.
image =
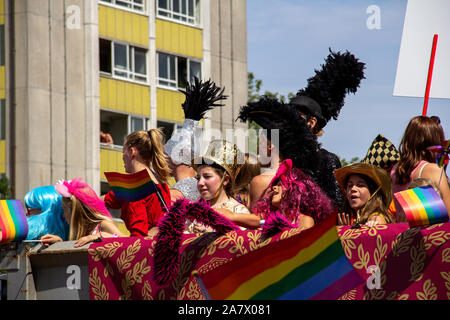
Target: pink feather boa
pixel 171 227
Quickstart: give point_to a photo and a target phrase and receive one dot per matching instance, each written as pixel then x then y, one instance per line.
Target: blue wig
pixel 51 219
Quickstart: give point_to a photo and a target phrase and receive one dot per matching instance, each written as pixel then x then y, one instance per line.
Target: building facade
pixel 70 69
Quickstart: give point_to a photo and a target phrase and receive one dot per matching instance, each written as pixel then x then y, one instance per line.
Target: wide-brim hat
pixel 224 154
pixel 378 175
pixel 382 153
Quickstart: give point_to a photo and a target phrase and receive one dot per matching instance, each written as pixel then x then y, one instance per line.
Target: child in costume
pixel 183 146
pixel 85 212
pixel 286 136
pixel 416 161
pixel 295 196
pixel 216 175
pixel 48 217
pixel 142 150
pixel 368 193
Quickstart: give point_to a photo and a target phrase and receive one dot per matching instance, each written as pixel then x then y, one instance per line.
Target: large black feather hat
pixel 295 140
pixel 324 95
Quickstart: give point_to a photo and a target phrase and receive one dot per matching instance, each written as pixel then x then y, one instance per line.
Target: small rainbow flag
pixel 13 222
pixel 422 206
pixel 309 265
pixel 131 187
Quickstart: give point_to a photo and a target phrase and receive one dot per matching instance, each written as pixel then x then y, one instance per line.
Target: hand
pixel 49 239
pixel 83 240
pixel 371 223
pixel 344 219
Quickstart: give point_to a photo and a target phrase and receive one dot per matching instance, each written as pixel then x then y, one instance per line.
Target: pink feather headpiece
pixel 284 167
pixel 83 193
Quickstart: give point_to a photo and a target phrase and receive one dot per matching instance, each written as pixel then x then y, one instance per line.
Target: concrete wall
pixel 57 93
pixel 228 25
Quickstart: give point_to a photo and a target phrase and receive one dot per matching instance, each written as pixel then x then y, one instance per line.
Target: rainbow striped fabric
pixel 13 222
pixel 309 265
pixel 131 187
pixel 422 206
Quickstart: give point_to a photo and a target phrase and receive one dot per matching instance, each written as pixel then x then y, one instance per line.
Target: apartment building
pixel 70 69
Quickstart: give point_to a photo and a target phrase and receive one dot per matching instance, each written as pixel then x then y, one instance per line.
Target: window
pixel 181 10
pixel 123 60
pixel 174 71
pixel 119 125
pixel 2 45
pixel 134 5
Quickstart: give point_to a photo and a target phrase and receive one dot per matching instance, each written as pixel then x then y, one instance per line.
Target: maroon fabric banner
pixel 395 261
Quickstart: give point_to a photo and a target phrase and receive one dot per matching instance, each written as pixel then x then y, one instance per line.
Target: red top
pixel 140 216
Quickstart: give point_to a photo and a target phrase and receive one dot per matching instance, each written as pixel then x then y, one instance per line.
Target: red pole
pixel 430 74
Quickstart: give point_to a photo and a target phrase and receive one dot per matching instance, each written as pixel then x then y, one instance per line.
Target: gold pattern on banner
pixel 363 258
pixel 212 264
pixel 194 291
pixel 105 252
pixel 147 291
pixel 191 239
pixel 238 241
pixel 429 291
pixel 418 256
pixel 437 238
pixel 254 237
pixel 403 241
pixel 348 245
pixel 446 276
pixel 97 288
pixel 162 294
pixel 403 297
pixel 373 230
pixel 108 270
pixel 351 295
pixel 446 255
pixel 124 261
pixel 380 251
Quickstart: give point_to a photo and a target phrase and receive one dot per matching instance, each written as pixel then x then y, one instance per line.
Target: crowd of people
pixel 301 185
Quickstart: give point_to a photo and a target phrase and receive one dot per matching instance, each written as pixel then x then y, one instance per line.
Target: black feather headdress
pixel 200 98
pixel 341 74
pixel 295 139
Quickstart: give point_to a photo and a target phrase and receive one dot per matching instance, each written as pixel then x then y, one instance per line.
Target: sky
pixel 288 39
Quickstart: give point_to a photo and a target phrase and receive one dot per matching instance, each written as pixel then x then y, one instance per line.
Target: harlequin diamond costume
pixel 184 145
pixel 323 99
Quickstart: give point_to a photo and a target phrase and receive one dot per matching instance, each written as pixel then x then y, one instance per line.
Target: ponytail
pixel 150 146
pixel 159 157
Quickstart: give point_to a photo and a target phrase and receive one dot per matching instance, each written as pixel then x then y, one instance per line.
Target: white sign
pixel 423 19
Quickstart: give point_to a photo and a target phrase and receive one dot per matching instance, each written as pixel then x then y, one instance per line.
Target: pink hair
pixel 83 193
pixel 300 195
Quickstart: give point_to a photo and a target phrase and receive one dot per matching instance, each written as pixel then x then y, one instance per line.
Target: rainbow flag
pixel 131 187
pixel 422 206
pixel 309 265
pixel 13 222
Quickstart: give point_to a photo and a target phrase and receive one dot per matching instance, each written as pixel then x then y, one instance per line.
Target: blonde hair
pixel 250 169
pixel 83 219
pixel 150 145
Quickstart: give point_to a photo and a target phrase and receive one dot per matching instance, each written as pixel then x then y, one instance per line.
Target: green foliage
pixel 346 163
pixel 254 88
pixel 5 188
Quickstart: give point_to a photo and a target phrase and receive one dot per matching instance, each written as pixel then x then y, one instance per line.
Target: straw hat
pixel 378 175
pixel 222 153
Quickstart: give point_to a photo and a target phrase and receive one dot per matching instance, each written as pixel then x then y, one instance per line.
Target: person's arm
pixel 49 239
pixel 375 220
pixel 246 220
pixel 108 229
pixel 305 222
pixel 175 195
